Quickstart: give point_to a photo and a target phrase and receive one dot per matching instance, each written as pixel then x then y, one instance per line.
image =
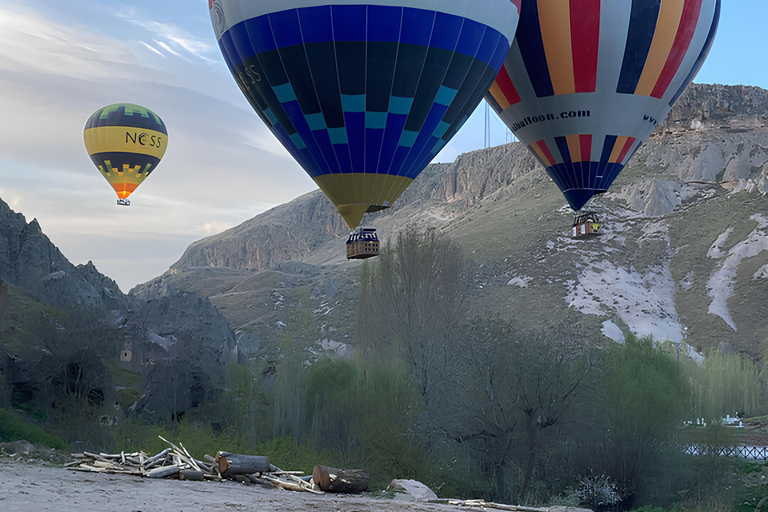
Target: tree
pixel 723 384
pixel 386 416
pixel 329 404
pixel 551 369
pixel 413 298
pixel 483 399
pixel 644 400
pixel 299 336
pixel 507 378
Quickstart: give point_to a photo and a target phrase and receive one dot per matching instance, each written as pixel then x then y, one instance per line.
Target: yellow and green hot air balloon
pixel 125 142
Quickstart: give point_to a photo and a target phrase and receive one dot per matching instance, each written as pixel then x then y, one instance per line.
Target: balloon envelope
pixel 364 94
pixel 587 81
pixel 125 142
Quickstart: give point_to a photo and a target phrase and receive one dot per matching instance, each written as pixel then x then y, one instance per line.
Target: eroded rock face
pixel 163 327
pixel 30 261
pixel 179 315
pixel 718 106
pixel 288 232
pixel 179 384
pixel 107 289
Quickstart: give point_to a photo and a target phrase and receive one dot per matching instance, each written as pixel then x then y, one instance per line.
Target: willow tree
pixel 414 297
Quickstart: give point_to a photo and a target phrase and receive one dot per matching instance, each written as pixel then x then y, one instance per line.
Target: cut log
pixel 163 472
pixel 340 480
pixel 191 474
pixel 231 464
pixel 259 481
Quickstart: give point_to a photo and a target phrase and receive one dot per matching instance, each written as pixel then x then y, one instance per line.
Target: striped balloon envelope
pixel 364 93
pixel 125 142
pixel 587 81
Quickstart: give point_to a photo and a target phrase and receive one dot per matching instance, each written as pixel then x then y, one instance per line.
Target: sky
pixel 61 61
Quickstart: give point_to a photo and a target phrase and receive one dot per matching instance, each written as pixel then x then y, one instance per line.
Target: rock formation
pixel 158 332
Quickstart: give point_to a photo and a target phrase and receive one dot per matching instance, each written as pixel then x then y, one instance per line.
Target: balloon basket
pixel 123 202
pixel 362 244
pixel 586 225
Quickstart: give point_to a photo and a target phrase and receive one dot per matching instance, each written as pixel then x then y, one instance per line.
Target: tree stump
pixel 340 480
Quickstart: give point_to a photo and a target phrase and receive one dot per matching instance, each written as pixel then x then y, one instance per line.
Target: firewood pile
pixel 175 462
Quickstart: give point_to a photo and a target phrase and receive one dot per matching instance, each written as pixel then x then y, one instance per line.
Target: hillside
pixel 685 255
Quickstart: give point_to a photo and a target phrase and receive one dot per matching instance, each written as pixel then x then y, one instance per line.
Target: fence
pixel 740 451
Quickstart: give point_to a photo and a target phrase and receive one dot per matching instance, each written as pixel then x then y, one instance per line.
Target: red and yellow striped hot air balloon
pixel 587 81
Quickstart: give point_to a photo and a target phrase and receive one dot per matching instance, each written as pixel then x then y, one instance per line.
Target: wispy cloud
pixel 167 48
pixel 29 43
pixel 153 49
pixel 172 37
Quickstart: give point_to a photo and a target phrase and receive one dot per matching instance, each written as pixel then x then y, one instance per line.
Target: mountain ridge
pixel 703 172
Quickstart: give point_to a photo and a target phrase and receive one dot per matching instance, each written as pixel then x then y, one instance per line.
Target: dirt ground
pixel 33 487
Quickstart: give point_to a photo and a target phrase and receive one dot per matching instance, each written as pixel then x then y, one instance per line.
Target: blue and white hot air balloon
pixel 364 93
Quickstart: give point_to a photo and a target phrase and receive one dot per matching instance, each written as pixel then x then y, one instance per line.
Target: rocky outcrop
pixel 714 133
pixel 288 232
pixel 310 230
pixel 162 326
pixel 108 290
pixel 30 261
pixel 184 318
pixel 718 107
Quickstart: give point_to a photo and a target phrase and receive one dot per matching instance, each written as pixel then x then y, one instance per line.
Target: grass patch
pixel 120 376
pixel 14 428
pixel 128 397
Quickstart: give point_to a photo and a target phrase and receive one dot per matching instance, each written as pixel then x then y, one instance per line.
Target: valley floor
pixel 34 487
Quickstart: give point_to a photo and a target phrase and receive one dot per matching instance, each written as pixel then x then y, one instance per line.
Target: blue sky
pixel 60 61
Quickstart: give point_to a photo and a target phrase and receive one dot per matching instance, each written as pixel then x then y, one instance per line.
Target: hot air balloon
pixel 587 81
pixel 364 94
pixel 125 142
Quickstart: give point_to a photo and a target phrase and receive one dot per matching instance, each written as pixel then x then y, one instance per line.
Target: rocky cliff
pixel 148 333
pixel 684 256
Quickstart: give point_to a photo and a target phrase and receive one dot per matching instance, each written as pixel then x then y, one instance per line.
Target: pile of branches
pixel 176 462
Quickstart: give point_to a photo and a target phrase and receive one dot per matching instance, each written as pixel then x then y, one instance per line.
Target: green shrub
pixel 649 508
pixel 197 439
pixel 286 454
pixel 14 428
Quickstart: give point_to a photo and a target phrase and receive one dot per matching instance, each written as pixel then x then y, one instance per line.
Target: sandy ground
pixel 34 487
